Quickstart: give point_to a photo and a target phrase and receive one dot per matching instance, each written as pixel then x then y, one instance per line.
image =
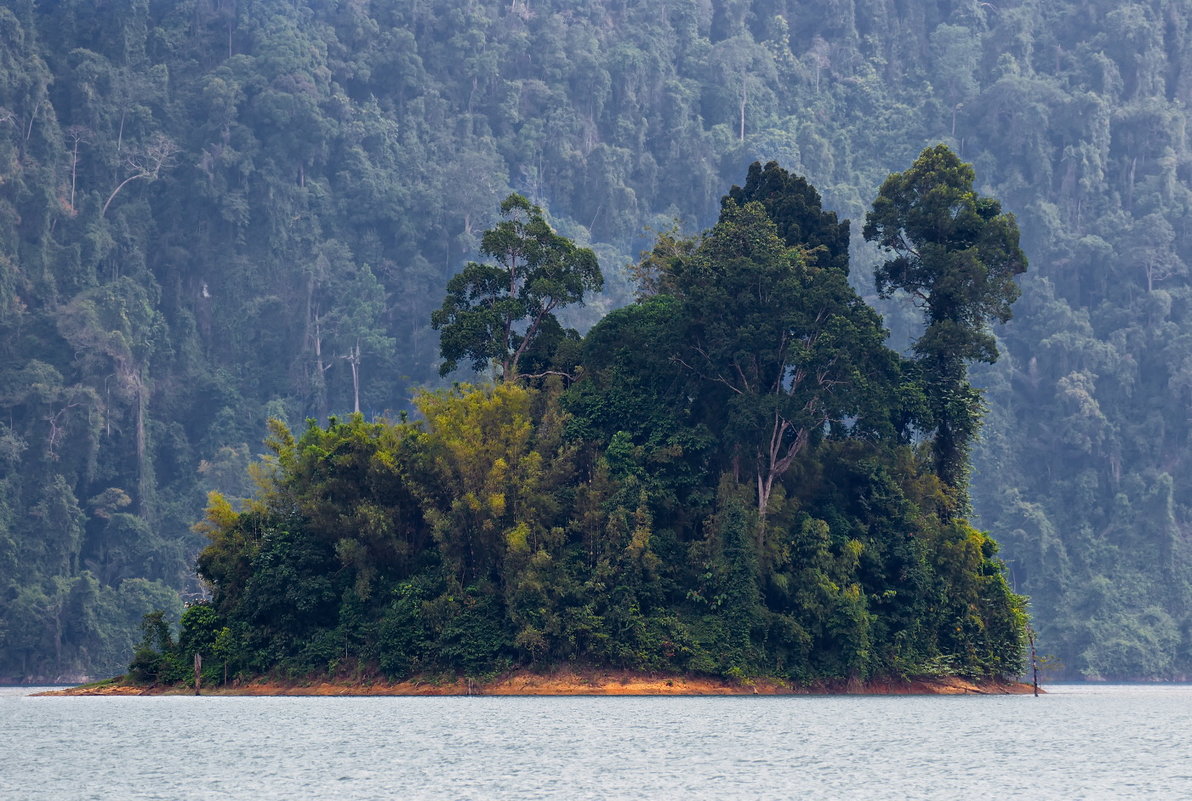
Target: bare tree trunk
pixel 777 461
pixel 1130 184
pixel 321 369
pixel 116 191
pixel 354 361
pixel 74 171
pixel 147 165
pixel 509 362
pixel 310 296
pixel 744 101
pixel 144 470
pixel 32 117
pixel 764 487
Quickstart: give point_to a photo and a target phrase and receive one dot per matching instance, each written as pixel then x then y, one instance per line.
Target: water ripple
pixel 1077 742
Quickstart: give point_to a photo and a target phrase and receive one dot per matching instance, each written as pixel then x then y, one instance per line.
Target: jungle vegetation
pixel 217 212
pixel 732 475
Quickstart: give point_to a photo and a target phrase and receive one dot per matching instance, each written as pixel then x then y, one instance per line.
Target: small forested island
pixel 732 478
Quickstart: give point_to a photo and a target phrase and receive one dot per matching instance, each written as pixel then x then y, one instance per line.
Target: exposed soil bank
pixel 566 682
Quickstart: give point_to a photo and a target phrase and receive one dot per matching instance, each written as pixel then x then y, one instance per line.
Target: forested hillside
pixel 215 212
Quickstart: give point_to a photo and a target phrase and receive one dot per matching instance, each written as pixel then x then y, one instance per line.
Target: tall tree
pixel 786 341
pixel 795 207
pixel 957 255
pixel 494 312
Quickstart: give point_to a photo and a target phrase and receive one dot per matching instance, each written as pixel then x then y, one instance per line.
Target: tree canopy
pixel 496 313
pixel 727 486
pixel 785 343
pixel 216 213
pixel 957 255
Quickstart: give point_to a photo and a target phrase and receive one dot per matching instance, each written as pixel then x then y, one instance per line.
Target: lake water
pixel 1076 742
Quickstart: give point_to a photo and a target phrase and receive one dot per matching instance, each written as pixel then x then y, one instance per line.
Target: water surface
pixel 1075 742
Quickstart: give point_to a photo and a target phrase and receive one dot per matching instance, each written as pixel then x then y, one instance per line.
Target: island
pixel 732 485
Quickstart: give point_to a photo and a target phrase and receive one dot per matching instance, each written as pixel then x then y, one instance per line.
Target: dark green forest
pixel 732 476
pixel 217 212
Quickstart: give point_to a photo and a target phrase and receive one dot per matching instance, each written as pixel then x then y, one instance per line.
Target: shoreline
pixel 567 683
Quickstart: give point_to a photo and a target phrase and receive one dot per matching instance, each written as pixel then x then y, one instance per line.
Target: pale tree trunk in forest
pixel 32 118
pixel 744 101
pixel 313 337
pixel 58 637
pixel 144 469
pixel 116 191
pixel 74 172
pixel 776 460
pixel 321 369
pixel 819 58
pixel 353 359
pixel 77 135
pixel 783 448
pixel 147 165
pixel 1129 199
pixel 56 430
pixel 531 332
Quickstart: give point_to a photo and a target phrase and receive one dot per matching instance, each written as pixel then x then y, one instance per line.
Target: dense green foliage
pixel 216 212
pixel 956 254
pixel 729 485
pixel 505 313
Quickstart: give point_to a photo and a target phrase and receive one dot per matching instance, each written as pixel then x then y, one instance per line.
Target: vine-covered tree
pixel 957 255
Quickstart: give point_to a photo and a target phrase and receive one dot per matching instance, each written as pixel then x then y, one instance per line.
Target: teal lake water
pixel 1076 742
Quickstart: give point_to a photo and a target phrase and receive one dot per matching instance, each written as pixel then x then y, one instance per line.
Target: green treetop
pixel 957 255
pixel 495 312
pixel 786 341
pixel 795 207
